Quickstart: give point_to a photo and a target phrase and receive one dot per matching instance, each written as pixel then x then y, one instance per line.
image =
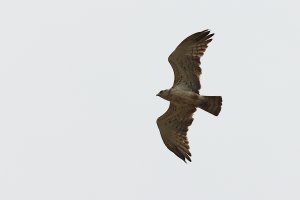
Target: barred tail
pixel 212 104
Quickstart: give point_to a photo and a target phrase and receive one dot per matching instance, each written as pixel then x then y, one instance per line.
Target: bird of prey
pixel 184 95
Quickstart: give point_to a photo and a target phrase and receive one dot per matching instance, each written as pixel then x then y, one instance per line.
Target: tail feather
pixel 212 104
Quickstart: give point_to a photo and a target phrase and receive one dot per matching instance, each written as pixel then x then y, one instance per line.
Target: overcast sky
pixel 78 109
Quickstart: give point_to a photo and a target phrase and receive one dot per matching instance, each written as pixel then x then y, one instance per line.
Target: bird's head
pixel 163 94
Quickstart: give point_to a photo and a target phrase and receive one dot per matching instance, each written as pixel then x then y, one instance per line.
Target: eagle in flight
pixel 184 95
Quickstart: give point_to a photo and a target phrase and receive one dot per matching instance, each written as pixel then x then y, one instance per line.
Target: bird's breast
pixel 183 97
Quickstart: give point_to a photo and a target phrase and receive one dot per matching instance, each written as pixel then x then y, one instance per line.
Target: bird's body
pixel 181 96
pixel 184 95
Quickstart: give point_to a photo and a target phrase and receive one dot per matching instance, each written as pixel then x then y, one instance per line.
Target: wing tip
pixel 189 159
pixel 186 158
pixel 205 35
pixel 198 36
pixel 183 155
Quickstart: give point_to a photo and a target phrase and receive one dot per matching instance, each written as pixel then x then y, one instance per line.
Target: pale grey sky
pixel 78 108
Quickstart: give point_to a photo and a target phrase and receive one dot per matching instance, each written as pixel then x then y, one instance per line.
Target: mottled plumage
pixel 184 95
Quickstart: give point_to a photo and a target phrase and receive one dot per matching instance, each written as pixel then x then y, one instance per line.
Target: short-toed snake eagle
pixel 184 95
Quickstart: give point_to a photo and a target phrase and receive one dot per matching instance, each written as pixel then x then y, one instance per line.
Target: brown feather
pixel 173 126
pixel 185 60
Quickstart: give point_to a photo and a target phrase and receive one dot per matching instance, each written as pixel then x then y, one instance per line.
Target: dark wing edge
pixel 185 60
pixel 173 126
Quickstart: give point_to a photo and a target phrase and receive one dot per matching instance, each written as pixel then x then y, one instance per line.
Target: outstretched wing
pixel 185 60
pixel 173 126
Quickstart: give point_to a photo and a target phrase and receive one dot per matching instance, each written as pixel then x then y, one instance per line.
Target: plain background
pixel 78 109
